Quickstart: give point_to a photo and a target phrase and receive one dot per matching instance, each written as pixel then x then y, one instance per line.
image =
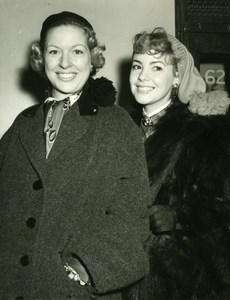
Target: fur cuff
pixel 210 104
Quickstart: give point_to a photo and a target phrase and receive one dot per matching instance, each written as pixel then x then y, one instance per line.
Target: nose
pixel 65 61
pixel 143 75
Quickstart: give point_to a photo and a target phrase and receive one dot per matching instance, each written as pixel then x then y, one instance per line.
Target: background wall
pixel 115 22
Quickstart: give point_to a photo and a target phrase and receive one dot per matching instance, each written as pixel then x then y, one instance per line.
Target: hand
pixel 162 219
pixel 76 271
pixel 72 274
pixel 78 267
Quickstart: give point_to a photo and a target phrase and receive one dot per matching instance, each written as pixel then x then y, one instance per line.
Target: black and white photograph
pixel 115 150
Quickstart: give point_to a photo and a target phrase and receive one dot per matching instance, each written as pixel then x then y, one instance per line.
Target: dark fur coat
pixel 188 159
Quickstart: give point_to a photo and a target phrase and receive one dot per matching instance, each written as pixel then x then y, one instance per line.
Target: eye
pixel 53 52
pixel 77 51
pixel 135 67
pixel 157 68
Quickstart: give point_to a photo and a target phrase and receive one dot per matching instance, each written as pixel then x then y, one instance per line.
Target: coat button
pixel 31 222
pixel 37 185
pixel 24 260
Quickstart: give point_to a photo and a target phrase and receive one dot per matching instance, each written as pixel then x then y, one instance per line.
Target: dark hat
pixel 63 18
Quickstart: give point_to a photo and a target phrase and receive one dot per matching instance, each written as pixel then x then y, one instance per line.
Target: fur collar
pixel 97 92
pixel 198 134
pixel 168 131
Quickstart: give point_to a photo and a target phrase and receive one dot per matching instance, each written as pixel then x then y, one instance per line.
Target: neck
pixel 60 97
pixel 155 110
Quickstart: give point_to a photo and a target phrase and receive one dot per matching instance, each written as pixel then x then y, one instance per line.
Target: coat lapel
pixel 32 137
pixel 69 141
pixel 72 129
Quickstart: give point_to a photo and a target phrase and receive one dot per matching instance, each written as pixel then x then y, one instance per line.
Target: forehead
pixel 66 34
pixel 151 58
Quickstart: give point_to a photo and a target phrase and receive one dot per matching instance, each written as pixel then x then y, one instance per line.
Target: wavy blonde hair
pixel 154 42
pixel 67 18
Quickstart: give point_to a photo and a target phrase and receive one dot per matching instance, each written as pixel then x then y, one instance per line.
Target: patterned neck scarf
pixel 55 111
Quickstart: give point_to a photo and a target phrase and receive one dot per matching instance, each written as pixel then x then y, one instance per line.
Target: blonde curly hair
pixel 67 18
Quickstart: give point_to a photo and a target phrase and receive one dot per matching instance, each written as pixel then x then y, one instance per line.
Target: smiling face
pixel 67 60
pixel 151 80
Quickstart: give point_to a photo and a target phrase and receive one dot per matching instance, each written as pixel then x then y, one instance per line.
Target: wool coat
pixel 188 159
pixel 87 199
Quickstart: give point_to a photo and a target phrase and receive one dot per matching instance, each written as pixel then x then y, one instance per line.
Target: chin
pixel 141 99
pixel 68 90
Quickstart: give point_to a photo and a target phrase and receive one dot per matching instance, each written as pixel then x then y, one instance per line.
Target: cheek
pixel 84 64
pixel 81 62
pixel 165 79
pixel 170 76
pixel 168 85
pixel 132 78
pixel 170 81
pixel 50 64
pixel 133 87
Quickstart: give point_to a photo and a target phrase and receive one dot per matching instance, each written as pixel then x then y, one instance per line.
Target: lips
pixel 144 89
pixel 66 76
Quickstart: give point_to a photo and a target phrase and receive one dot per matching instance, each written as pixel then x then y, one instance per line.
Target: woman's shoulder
pixel 206 114
pixel 115 111
pixel 170 126
pixel 27 113
pixel 118 119
pixel 30 111
pixel 208 124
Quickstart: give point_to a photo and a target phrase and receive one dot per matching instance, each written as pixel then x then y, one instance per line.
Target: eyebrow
pixel 152 62
pixel 57 46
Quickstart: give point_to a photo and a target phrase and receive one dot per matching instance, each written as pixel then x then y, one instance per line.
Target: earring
pixel 175 85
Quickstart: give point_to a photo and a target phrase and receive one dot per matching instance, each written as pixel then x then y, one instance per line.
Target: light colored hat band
pixel 191 82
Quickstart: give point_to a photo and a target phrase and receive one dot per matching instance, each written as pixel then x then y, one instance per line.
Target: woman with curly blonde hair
pixel 96 50
pixel 186 132
pixel 73 224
